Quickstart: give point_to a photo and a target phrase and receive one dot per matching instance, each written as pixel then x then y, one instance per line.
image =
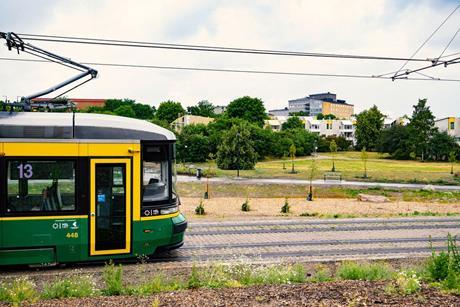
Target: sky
pixel 377 27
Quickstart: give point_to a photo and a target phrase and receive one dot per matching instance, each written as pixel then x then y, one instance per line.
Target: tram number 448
pixel 72 235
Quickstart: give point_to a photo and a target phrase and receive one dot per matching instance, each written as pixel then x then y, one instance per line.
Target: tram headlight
pixel 169 210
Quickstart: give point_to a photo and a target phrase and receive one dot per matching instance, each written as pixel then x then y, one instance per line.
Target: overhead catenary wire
pixel 220 49
pixel 427 40
pixel 450 42
pixel 287 73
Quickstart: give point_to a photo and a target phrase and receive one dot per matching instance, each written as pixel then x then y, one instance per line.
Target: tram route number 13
pixel 25 171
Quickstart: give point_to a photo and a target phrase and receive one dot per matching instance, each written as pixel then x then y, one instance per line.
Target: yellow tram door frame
pixel 93 204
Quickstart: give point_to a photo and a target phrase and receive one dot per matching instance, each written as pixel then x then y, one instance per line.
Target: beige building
pixel 451 125
pixel 186 120
pixel 340 110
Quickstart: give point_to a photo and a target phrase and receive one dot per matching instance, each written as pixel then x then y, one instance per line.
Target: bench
pixel 333 176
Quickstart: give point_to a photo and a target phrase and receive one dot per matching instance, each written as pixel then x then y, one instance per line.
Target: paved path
pixel 343 183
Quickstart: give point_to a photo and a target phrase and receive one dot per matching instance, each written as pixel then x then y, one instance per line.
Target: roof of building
pixel 42 125
pixel 444 118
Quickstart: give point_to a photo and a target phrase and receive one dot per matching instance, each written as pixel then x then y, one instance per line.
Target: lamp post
pixel 310 192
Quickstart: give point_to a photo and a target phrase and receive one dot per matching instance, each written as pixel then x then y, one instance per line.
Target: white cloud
pixel 360 27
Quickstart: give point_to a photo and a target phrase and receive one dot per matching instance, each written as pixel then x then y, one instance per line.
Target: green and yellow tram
pixel 85 187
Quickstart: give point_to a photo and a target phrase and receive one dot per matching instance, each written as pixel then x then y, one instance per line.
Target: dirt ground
pixel 223 208
pixel 340 293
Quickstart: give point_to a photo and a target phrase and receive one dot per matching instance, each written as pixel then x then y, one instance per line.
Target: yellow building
pixel 340 110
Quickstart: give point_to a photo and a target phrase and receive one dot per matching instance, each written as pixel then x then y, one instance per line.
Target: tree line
pixel 418 139
pixel 238 138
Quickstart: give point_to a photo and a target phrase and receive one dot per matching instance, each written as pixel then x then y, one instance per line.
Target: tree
pixel 125 110
pixel 293 123
pixel 113 104
pixel 330 116
pixel 364 157
pixel 124 107
pixel 440 146
pixel 193 144
pixel 237 149
pixel 320 116
pixel 452 160
pixel 292 151
pixel 203 108
pixel 333 148
pixel 143 111
pixel 169 111
pixel 299 113
pixel 369 124
pixel 396 141
pixel 247 108
pixel 421 128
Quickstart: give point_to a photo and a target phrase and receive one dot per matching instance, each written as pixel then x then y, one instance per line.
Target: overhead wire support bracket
pixel 13 41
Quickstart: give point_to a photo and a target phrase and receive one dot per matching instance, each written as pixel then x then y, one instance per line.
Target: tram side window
pixel 155 174
pixel 41 186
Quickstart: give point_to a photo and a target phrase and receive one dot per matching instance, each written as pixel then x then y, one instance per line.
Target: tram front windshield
pixel 155 174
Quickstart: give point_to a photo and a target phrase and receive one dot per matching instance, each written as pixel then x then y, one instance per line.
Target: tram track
pixel 296 240
pixel 282 222
pixel 278 229
pixel 311 243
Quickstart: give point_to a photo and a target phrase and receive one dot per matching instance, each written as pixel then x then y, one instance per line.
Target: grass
pixel 18 292
pixel 442 270
pixel 365 271
pixel 80 286
pixel 195 189
pixel 379 168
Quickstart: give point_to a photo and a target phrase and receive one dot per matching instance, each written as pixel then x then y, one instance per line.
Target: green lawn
pixel 379 168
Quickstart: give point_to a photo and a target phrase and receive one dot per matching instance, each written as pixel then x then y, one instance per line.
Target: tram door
pixel 110 207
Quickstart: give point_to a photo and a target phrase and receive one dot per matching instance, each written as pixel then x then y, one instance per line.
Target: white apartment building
pixel 451 125
pixel 324 127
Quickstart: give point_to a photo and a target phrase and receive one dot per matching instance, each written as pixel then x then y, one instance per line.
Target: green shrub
pixel 80 286
pixel 19 291
pixel 364 271
pixel 286 208
pixel 444 267
pixel 199 210
pixel 245 206
pixel 113 278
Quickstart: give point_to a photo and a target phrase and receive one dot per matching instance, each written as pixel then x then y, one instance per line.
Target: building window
pixel 328 126
pixel 40 186
pixel 452 125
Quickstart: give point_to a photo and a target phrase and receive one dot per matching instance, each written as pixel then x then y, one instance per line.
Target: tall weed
pixel 113 278
pixel 365 271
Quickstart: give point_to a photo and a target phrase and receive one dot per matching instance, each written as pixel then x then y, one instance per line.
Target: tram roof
pixel 43 125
